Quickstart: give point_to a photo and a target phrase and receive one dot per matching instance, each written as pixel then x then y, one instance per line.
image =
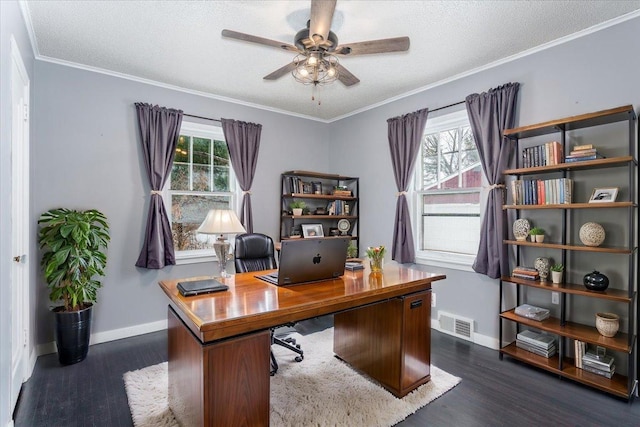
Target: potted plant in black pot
pixel 74 244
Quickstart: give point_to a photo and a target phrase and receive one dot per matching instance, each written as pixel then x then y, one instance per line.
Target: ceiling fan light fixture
pixel 316 68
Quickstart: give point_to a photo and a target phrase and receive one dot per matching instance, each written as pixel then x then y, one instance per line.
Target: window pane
pixel 187 213
pixel 472 178
pixel 182 149
pixel 450 222
pixel 220 153
pixel 201 151
pixel 221 178
pixel 430 160
pixel 201 178
pixel 180 176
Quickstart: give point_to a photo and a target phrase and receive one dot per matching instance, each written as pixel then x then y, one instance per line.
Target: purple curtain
pixel 490 114
pixel 243 141
pixel 159 130
pixel 405 134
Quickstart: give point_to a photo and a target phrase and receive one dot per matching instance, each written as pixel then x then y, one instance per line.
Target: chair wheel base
pixel 298 358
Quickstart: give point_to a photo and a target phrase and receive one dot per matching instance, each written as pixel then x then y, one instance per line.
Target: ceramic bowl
pixel 607 324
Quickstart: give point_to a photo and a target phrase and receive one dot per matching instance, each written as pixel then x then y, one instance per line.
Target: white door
pixel 19 222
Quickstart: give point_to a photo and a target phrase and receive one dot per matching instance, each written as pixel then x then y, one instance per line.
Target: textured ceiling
pixel 178 43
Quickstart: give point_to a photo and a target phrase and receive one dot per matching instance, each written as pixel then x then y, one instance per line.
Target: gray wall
pixel 11 23
pixel 592 73
pixel 86 154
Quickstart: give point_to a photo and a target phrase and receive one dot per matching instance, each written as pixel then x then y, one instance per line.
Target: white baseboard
pixel 115 334
pixel 479 339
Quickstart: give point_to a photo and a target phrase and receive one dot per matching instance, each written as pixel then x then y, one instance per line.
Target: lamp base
pixel 221 247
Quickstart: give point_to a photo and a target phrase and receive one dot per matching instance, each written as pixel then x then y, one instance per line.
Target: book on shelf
pixel 579 348
pixel 535 350
pixel 353 266
pixel 583 147
pixel 525 276
pixel 532 312
pixel 537 339
pixel 583 152
pixel 520 270
pixel 572 159
pixel 606 374
pixel 604 361
pixel 541 192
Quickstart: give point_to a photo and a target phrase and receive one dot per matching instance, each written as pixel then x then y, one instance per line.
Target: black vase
pixel 596 281
pixel 72 333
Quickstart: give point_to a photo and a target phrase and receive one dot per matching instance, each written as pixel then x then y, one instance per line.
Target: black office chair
pixel 254 252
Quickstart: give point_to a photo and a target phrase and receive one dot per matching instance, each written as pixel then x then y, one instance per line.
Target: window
pixel 201 179
pixel 448 181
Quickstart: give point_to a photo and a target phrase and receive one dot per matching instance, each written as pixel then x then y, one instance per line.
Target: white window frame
pixel 210 132
pixel 451 260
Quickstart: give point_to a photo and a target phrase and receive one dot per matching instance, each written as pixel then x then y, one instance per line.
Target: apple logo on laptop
pixel 316 259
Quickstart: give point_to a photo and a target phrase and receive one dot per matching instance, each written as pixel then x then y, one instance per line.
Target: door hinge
pixel 24 337
pixel 26 112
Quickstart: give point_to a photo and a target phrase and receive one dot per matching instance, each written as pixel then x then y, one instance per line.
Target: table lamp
pixel 221 222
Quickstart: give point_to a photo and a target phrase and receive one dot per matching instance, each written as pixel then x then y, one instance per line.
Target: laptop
pixel 199 287
pixel 309 260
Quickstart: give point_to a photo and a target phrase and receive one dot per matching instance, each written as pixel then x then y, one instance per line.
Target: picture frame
pixel 603 195
pixel 312 230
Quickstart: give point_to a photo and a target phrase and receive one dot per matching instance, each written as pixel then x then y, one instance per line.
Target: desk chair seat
pixel 255 252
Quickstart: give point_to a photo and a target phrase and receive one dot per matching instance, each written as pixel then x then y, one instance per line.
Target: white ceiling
pixel 178 43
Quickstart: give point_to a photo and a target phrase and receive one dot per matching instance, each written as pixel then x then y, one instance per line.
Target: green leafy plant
pixel 536 231
pixel 376 252
pixel 297 204
pixel 352 250
pixel 557 267
pixel 73 243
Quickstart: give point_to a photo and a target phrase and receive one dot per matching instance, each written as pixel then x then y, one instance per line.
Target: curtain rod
pixel 203 118
pixel 447 106
pixel 219 121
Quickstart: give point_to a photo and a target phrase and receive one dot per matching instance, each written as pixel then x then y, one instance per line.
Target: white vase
pixel 556 276
pixel 297 211
pixel 539 238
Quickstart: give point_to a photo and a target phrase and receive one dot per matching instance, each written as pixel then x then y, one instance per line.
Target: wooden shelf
pixel 585 164
pixel 320 216
pixel 603 117
pixel 572 330
pixel 617 295
pixel 616 385
pixel 319 196
pixel 572 206
pixel 319 175
pixel 603 249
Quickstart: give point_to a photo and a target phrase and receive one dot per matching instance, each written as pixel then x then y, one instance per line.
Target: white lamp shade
pixel 221 221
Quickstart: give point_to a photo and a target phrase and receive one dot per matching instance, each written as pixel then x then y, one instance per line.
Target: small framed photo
pixel 312 230
pixel 603 195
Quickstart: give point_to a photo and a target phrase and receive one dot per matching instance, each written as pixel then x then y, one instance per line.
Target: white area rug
pixel 321 391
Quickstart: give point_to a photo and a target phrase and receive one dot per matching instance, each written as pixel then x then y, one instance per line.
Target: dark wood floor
pixel 492 392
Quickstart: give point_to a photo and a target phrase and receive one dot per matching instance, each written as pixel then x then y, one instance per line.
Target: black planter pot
pixel 72 333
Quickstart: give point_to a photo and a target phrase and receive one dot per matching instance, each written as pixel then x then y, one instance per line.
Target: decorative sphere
pixel 521 228
pixel 592 234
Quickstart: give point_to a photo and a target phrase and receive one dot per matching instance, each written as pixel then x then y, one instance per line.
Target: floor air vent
pixel 455 325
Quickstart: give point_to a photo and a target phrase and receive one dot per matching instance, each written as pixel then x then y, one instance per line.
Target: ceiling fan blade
pixel 346 77
pixel 259 40
pixel 397 44
pixel 280 72
pixel 321 17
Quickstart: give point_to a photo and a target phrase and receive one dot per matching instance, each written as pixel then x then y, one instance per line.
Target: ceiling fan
pixel 317 46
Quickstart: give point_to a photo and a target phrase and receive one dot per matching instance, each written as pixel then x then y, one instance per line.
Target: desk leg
pixel 389 341
pixel 225 383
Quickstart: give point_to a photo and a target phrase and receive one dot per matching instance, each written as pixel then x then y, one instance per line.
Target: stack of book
pixel 537 343
pixel 532 312
pixel 581 153
pixel 525 273
pixel 353 266
pixel 601 365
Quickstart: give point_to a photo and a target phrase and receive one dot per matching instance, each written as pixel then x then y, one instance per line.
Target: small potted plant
pixel 537 234
pixel 556 273
pixel 297 206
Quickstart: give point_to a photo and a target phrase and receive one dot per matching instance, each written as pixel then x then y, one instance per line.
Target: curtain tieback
pixel 156 192
pixel 401 193
pixel 246 192
pixel 494 186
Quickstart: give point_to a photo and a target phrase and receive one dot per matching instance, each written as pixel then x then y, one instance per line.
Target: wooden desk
pixel 219 343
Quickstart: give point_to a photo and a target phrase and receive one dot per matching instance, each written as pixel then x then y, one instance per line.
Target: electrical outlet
pixel 433 299
pixel 555 298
